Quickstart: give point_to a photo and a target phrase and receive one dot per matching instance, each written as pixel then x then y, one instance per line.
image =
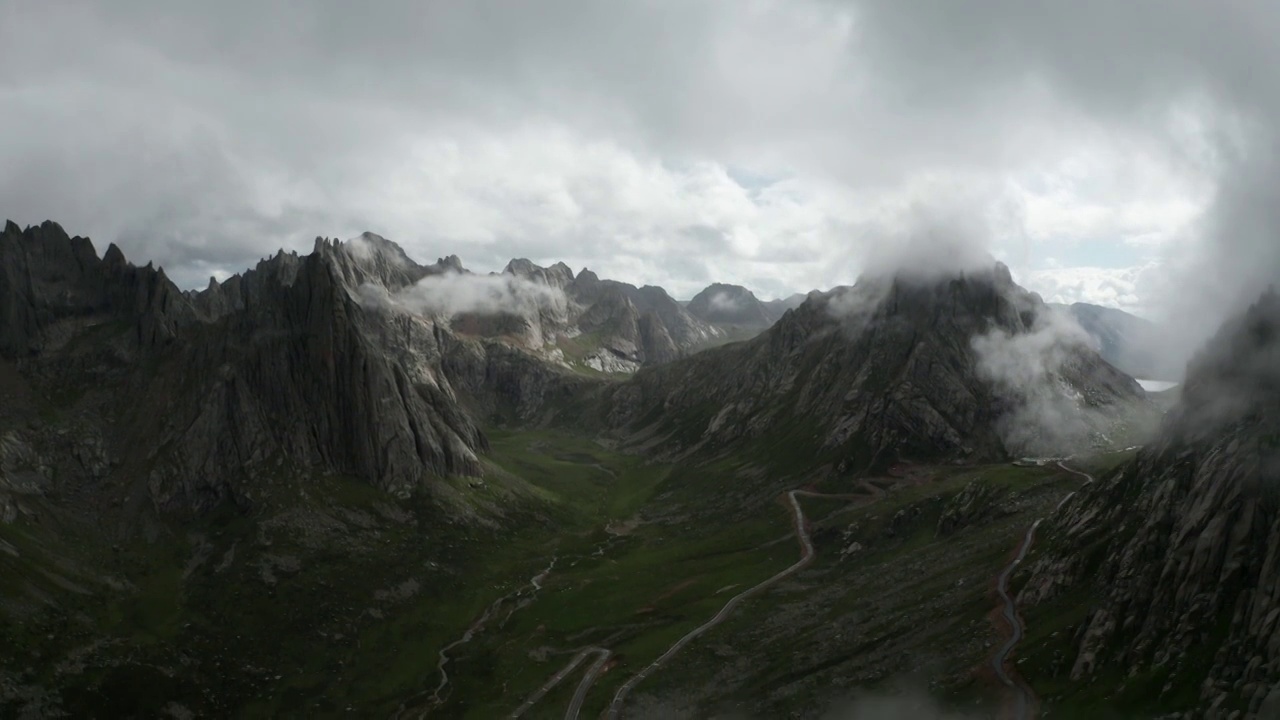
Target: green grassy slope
pixel 331 595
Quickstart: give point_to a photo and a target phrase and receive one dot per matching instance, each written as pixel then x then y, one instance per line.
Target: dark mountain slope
pixel 280 373
pixel 868 375
pixel 1181 546
pixel 300 379
pixel 50 282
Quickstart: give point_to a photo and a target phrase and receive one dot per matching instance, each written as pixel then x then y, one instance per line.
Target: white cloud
pixel 1125 288
pixel 600 133
pixel 453 293
pixel 722 302
pixel 1048 416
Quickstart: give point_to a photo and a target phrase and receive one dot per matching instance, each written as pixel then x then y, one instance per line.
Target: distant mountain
pixel 609 326
pixel 887 370
pixel 1170 561
pixel 1127 341
pixel 776 308
pixel 734 305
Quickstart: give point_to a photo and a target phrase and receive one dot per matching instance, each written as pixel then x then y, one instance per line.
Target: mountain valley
pixel 347 484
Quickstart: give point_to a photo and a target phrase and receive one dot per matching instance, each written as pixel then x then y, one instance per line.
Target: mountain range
pixel 287 491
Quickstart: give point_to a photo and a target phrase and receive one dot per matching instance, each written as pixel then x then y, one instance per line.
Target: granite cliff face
pixel 273 375
pixel 50 282
pixel 890 369
pixel 1181 546
pixel 304 376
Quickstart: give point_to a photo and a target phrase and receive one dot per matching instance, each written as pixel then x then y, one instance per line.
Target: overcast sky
pixel 1112 152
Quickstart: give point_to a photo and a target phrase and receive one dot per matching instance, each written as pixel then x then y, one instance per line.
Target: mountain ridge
pixel 888 363
pixel 1179 543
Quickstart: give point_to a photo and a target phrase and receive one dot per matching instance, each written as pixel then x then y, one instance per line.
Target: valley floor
pixel 351 602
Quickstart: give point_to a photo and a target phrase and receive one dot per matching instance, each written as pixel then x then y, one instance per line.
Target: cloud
pixel 367 248
pixel 925 238
pixel 452 293
pixel 1200 85
pixel 723 302
pixel 1127 288
pixel 771 144
pixel 1048 415
pixel 1236 374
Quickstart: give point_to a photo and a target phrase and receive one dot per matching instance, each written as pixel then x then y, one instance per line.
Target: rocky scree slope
pixel 866 376
pixel 1181 546
pixel 279 373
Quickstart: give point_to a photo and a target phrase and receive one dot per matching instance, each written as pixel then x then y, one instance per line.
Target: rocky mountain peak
pixel 49 280
pixel 450 263
pixel 896 368
pixel 557 276
pixel 370 259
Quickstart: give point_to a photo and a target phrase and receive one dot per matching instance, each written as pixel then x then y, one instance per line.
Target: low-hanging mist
pixel 1047 415
pixel 453 293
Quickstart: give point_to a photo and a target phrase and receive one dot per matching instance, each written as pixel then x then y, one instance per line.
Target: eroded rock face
pixel 1182 545
pixel 278 373
pixel 47 277
pixel 558 276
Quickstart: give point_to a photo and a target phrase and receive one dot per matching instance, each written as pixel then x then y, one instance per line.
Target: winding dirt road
pixel 1024 698
pixel 806 557
pixel 800 525
pixel 581 694
pixel 437 697
pixel 1088 480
